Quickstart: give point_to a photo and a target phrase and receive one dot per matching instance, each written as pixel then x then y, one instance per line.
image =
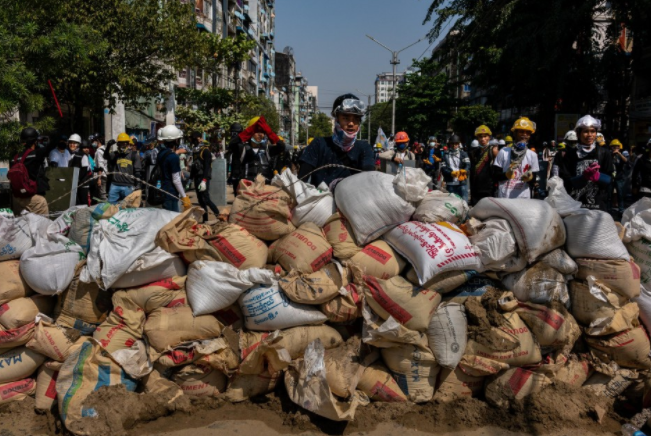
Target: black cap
pixel 29 135
pixel 236 128
pixel 454 138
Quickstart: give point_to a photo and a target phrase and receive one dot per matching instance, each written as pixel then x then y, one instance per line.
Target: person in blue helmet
pixel 342 148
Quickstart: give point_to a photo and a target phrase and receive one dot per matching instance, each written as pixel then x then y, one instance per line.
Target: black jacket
pixel 642 172
pixel 246 164
pixel 34 162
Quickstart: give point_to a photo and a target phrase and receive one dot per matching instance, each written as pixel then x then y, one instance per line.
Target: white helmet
pixel 75 138
pixel 493 142
pixel 571 136
pixel 587 121
pixel 502 142
pixel 169 133
pixel 474 143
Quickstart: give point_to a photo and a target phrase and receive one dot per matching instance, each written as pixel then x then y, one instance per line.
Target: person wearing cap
pixel 342 149
pixel 80 159
pixel 515 167
pixel 642 173
pixel 168 160
pixel 455 167
pixel 481 160
pixel 587 169
pixel 623 172
pixel 127 164
pixel 60 156
pixel 255 151
pixel 501 144
pixel 601 140
pixel 402 152
pixel 570 139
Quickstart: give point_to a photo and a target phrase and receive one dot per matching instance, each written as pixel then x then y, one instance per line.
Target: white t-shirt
pixel 515 188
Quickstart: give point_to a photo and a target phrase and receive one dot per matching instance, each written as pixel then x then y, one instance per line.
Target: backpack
pixel 196 169
pixel 156 197
pixel 21 185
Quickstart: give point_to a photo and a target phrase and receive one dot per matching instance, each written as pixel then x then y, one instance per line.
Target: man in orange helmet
pixel 401 152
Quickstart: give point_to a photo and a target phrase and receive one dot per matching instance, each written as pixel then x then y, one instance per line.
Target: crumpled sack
pixel 439 206
pixel 314 205
pixel 497 246
pixel 411 184
pixel 559 199
pixel 637 221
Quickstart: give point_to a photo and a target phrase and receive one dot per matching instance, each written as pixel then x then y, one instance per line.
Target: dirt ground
pixel 557 411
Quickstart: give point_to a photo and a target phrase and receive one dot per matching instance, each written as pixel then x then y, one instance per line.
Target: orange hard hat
pixel 402 137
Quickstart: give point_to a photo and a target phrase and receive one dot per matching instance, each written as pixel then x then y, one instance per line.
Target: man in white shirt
pixel 60 156
pixel 515 167
pixel 102 166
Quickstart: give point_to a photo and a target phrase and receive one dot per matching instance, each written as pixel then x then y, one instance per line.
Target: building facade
pixel 384 86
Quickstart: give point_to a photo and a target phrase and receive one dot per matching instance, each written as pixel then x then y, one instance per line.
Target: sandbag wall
pixel 382 291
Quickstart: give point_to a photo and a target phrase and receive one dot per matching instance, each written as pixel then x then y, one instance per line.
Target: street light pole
pixel 394 61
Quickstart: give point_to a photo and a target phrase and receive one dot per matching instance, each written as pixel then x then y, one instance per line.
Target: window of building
pixel 466 87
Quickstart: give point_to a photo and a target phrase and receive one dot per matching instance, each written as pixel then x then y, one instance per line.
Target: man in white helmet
pixel 587 169
pixel 571 139
pixel 170 165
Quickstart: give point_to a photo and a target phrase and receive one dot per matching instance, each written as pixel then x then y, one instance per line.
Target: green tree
pixel 468 118
pixel 424 101
pixel 255 106
pixel 320 126
pixel 380 114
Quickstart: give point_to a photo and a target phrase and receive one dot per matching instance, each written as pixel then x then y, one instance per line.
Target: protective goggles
pixel 351 106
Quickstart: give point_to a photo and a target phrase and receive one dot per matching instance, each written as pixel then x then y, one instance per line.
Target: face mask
pixel 432 144
pixel 402 146
pixel 342 138
pixel 264 141
pixel 520 146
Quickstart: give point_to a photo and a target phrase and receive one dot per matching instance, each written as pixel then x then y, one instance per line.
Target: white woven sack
pixel 49 267
pixel 559 199
pixel 213 286
pixel 411 184
pixel 439 206
pixel 267 308
pixel 15 237
pixel 593 234
pixel 537 227
pixel 447 334
pixel 433 248
pixel 637 221
pixel 371 205
pixel 313 205
pixel 151 267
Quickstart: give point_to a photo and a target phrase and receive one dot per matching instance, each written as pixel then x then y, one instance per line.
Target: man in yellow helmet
pixel 509 141
pixel 481 159
pixel 126 162
pixel 515 168
pixel 623 172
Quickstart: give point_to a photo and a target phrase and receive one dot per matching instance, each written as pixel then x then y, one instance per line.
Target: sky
pixel 330 46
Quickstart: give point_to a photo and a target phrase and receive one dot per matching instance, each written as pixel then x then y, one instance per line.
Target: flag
pixel 381 138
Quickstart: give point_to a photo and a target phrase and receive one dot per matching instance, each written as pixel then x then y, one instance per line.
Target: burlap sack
pixel 411 306
pixel 345 364
pixel 22 311
pixel 46 393
pixel 620 276
pixel 82 303
pixel 86 370
pixel 272 352
pixel 17 390
pixel 379 260
pixel 514 384
pixel 444 282
pixel 345 308
pixel 415 369
pixel 551 326
pixel 113 334
pixel 629 349
pixel 18 364
pixel 200 381
pixel 314 288
pixel 479 366
pixel 305 249
pixel 265 211
pixel 601 311
pixel 238 247
pixel 455 384
pixel 379 385
pixel 340 236
pixel 245 386
pixel 167 327
pixel 16 337
pixel 53 341
pixel 12 285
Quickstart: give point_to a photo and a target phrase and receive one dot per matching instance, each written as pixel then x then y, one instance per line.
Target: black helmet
pixel 354 105
pixel 110 143
pixel 29 135
pixel 453 139
pixel 236 128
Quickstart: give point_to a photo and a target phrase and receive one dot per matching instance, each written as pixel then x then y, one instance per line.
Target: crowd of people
pixel 601 176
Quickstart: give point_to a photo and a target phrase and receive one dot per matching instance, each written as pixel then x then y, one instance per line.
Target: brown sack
pixel 53 341
pixel 16 337
pixel 345 364
pixel 168 327
pixel 166 292
pixel 17 390
pixel 46 394
pixel 620 276
pixel 409 305
pixel 238 247
pixel 12 285
pixel 601 311
pixel 340 236
pixel 379 260
pixel 379 385
pixel 265 211
pixel 444 282
pixel 314 288
pixel 305 249
pixel 552 327
pixel 345 308
pixel 415 369
pixel 19 363
pixel 453 385
pixel 82 303
pixel 200 381
pixel 22 311
pixel 243 386
pixel 574 373
pixel 514 384
pixel 629 349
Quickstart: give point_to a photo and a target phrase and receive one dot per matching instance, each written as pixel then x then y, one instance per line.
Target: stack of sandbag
pixel 312 205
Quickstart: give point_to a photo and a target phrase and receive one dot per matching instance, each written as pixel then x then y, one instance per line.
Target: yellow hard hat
pixel 296 147
pixel 524 123
pixel 378 145
pixel 561 146
pixel 309 141
pixel 123 137
pixel 508 139
pixel 483 130
pixel 601 140
pixel 616 143
pixel 252 121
